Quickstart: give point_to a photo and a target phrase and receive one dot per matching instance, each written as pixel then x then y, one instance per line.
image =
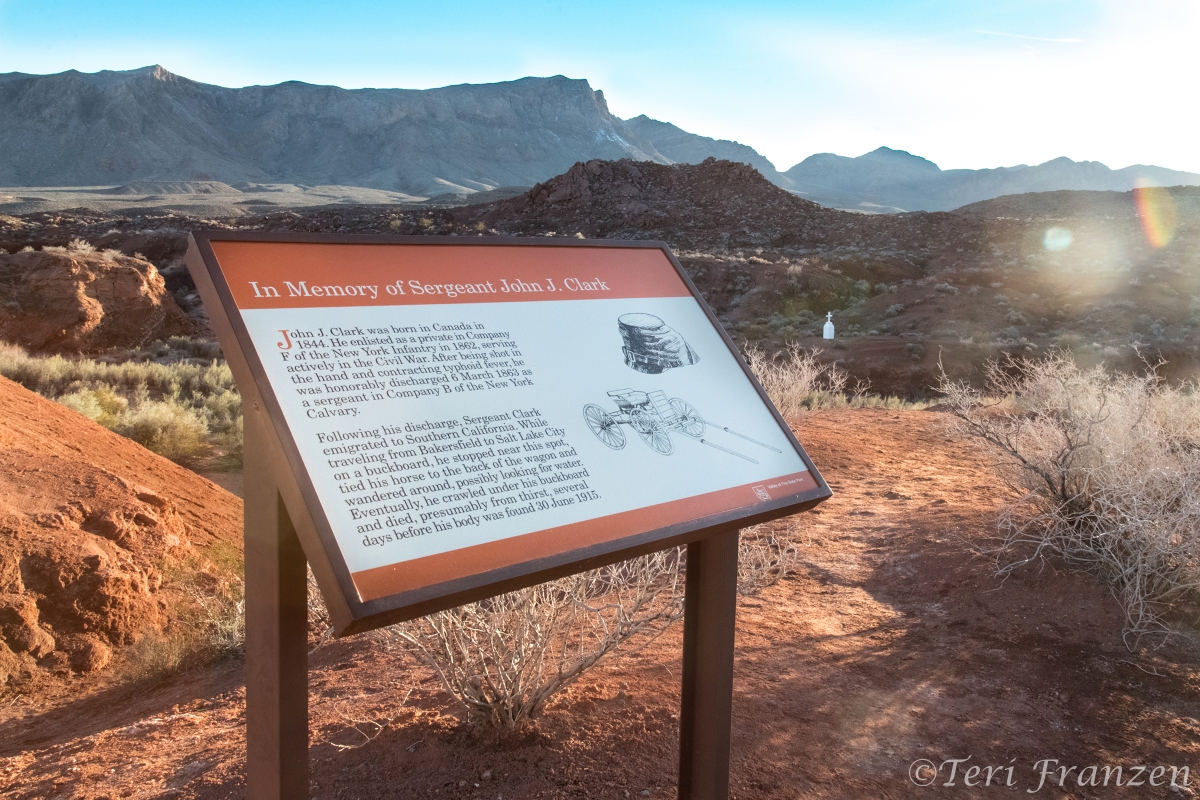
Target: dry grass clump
pixel 210 621
pixel 179 409
pixel 1110 469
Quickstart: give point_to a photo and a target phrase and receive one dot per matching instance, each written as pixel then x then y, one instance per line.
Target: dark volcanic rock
pixel 712 204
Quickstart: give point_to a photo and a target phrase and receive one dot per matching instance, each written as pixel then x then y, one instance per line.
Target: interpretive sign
pixel 466 416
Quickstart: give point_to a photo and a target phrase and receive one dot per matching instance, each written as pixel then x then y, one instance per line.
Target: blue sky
pixel 966 84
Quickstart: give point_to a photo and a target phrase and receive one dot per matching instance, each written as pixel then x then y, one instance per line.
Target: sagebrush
pixel 799 380
pixel 503 658
pixel 1109 468
pixel 178 409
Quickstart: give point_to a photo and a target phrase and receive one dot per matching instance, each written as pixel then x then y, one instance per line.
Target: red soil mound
pixel 64 300
pixel 88 523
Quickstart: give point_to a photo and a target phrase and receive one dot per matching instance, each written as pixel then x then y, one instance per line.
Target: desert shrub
pixel 779 322
pixel 185 347
pixel 504 657
pixel 889 402
pixel 166 428
pixel 158 655
pixel 1109 468
pixel 796 379
pixel 210 622
pixel 946 288
pixel 102 405
pixel 177 409
pixel 766 554
pixel 219 618
pixel 54 376
pixel 895 309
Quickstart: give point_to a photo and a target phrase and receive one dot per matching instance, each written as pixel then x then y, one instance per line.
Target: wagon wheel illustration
pixel 652 431
pixel 604 426
pixel 690 421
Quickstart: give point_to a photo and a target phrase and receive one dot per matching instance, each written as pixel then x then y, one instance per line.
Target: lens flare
pixel 1057 239
pixel 1156 210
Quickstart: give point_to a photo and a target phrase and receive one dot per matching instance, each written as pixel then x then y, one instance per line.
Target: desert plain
pixel 891 643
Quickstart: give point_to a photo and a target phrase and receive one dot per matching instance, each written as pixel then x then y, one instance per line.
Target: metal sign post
pixel 706 702
pixel 276 667
pixel 421 428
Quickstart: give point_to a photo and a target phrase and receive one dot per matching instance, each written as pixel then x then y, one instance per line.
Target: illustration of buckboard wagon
pixel 652 416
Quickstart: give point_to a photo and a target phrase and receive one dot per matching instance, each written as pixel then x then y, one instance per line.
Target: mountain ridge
pixel 896 180
pixel 150 125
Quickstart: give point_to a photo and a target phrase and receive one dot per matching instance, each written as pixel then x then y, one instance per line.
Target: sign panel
pixel 465 412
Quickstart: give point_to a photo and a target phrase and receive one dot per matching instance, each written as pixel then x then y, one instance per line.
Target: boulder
pixel 78 300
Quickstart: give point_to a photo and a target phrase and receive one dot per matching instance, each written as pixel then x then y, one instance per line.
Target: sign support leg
pixel 706 711
pixel 276 666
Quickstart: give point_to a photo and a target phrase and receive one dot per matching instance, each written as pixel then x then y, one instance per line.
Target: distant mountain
pixel 146 128
pixel 895 180
pixel 108 128
pixel 677 146
pixel 1185 201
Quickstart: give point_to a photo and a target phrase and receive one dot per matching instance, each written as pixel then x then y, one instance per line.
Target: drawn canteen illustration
pixel 651 346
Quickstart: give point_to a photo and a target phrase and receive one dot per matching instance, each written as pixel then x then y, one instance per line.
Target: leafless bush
pixel 1110 469
pixel 320 625
pixel 766 554
pixel 795 379
pixel 504 657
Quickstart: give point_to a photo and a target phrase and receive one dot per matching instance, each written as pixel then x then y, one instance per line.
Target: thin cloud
pixel 1032 38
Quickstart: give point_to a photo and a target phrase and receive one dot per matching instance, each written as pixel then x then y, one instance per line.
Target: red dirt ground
pixel 891 644
pixel 94 532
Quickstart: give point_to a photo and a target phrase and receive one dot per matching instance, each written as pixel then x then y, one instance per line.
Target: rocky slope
pixel 714 204
pixel 1185 202
pixel 150 125
pixel 91 527
pixel 79 300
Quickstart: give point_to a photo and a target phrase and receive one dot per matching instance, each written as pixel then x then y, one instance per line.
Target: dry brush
pixel 1109 470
